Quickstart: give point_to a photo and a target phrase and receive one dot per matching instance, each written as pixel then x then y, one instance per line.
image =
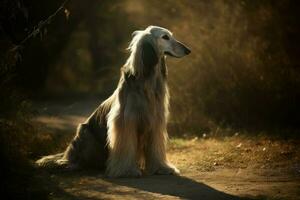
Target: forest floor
pixel 232 167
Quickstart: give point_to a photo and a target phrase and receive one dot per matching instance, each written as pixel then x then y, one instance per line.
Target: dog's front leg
pixel 156 159
pixel 122 139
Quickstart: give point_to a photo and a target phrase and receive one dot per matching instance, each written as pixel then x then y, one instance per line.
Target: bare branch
pixel 40 25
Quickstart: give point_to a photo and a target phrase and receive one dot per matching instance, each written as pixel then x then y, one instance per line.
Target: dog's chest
pixel 146 101
pixel 154 100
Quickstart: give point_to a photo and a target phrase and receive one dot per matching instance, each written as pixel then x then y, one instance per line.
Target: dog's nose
pixel 187 51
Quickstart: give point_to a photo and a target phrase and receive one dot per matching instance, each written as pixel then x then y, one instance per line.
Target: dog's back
pixel 88 148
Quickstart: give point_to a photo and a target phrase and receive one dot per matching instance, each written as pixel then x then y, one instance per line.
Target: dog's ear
pixel 134 33
pixel 149 58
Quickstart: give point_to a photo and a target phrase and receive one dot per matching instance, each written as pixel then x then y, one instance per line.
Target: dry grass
pixel 222 168
pixel 245 152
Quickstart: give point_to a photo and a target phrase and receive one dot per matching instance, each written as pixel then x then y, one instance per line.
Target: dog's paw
pixel 62 162
pixel 135 173
pixel 167 170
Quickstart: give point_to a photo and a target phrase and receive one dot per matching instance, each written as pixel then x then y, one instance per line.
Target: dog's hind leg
pixel 87 150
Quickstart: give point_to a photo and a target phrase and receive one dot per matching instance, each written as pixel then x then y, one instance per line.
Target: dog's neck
pixel 163 67
pixel 160 69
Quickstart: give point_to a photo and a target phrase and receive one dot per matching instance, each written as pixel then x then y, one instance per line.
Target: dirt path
pixel 236 167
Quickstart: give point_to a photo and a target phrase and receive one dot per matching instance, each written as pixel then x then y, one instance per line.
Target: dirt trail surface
pixel 236 167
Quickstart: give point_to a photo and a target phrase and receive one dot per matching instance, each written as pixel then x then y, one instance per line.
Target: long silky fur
pixel 127 133
pixel 88 148
pixel 137 120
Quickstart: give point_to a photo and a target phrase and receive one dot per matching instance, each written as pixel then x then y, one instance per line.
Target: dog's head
pixel 164 42
pixel 149 46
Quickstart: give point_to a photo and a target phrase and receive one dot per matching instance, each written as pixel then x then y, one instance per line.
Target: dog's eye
pixel 166 37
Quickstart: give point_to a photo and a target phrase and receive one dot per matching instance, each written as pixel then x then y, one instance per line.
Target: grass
pixel 259 152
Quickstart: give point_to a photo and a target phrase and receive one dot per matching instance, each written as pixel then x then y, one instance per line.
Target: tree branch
pixel 41 24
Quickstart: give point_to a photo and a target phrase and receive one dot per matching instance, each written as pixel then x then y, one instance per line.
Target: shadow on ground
pixel 176 186
pixel 89 185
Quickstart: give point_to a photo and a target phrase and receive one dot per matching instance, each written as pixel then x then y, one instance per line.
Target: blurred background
pixel 243 74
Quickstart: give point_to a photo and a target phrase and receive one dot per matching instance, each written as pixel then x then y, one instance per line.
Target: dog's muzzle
pixel 179 50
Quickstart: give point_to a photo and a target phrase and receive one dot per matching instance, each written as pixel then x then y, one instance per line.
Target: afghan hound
pixel 127 133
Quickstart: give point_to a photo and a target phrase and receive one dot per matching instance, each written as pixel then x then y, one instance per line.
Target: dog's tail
pixel 52 161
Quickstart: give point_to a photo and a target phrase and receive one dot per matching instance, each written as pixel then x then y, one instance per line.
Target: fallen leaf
pixel 194 139
pixel 239 145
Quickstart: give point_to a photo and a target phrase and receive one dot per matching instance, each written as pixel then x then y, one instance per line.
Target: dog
pixel 127 134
